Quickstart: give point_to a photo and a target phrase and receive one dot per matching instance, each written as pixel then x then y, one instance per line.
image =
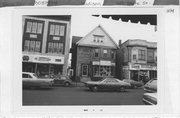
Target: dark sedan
pixel 107 84
pixel 63 80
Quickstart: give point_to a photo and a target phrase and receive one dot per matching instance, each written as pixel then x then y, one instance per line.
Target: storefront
pixel 103 69
pixel 43 65
pixel 140 72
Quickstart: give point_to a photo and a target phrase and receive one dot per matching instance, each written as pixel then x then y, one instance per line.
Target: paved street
pixel 81 96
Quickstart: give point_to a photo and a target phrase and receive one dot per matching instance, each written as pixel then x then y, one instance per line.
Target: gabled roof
pixel 99 26
pixel 75 39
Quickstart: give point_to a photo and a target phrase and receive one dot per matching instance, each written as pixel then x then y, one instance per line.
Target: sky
pixel 81 25
pixel 118 30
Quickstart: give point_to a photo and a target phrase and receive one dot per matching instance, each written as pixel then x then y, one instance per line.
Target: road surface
pixel 81 96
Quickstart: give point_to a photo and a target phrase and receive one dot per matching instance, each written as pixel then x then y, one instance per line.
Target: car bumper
pixel 149 99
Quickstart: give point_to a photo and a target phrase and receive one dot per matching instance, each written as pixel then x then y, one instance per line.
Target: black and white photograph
pixel 91 59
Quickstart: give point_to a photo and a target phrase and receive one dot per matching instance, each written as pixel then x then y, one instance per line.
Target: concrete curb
pixel 78 84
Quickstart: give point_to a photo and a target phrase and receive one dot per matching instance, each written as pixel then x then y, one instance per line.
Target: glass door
pixel 84 70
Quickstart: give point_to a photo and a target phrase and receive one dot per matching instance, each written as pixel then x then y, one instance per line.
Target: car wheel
pixel 135 86
pixel 132 86
pixel 94 88
pixel 122 89
pixel 67 84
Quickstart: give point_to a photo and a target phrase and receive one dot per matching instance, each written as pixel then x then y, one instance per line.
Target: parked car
pixel 150 98
pixel 151 85
pixel 133 83
pixel 107 84
pixel 63 80
pixel 32 80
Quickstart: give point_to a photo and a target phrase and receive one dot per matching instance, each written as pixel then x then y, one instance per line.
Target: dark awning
pixel 143 19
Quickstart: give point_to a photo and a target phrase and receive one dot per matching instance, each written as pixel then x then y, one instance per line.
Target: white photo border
pixel 16 61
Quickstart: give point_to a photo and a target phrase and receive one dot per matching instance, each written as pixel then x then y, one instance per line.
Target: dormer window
pixel 98 38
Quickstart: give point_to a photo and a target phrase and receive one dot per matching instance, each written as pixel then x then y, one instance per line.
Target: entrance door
pixel 43 69
pixel 134 75
pixel 28 67
pixel 84 70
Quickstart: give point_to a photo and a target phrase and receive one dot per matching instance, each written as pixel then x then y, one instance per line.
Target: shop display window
pixel 102 71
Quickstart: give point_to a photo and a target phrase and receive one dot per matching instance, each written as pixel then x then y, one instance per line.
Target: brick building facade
pixel 45 44
pixel 139 59
pixel 93 56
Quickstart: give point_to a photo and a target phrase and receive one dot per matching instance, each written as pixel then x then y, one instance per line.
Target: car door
pixel 32 81
pixel 115 84
pixel 103 84
pixel 25 80
pixel 60 81
pixel 108 84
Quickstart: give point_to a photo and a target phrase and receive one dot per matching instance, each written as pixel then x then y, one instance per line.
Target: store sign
pixel 58 60
pixel 148 67
pixel 43 59
pixel 105 63
pixel 56 38
pixel 95 63
pixel 135 66
pixel 25 58
pixel 142 67
pixel 33 36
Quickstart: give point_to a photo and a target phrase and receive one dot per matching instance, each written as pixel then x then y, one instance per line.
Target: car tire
pixel 135 87
pixel 122 89
pixel 66 84
pixel 94 88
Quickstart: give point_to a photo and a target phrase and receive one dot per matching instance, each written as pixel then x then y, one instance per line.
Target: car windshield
pixel 35 75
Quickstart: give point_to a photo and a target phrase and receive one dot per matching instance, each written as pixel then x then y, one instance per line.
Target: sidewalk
pixel 78 84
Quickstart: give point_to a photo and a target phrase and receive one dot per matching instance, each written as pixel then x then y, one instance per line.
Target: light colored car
pixel 150 98
pixel 133 83
pixel 151 86
pixel 107 84
pixel 32 80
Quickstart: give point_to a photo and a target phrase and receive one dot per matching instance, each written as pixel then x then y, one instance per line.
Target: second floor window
pixel 98 38
pixel 134 57
pixel 112 55
pixel 96 54
pixel 105 53
pixel 55 48
pixel 150 56
pixel 34 27
pixel 57 30
pixel 141 54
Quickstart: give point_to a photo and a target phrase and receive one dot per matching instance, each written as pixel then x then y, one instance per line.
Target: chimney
pixel 119 43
